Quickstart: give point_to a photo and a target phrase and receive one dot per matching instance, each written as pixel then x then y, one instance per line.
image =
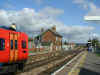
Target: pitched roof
pixel 55 33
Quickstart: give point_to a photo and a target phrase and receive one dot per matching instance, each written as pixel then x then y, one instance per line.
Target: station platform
pixel 91 65
pixel 87 64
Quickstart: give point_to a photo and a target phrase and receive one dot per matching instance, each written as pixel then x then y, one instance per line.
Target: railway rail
pixel 50 59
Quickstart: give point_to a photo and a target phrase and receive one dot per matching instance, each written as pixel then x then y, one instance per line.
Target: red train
pixel 13 49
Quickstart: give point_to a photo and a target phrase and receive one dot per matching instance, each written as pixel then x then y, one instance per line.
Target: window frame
pixel 16 44
pixel 23 43
pixel 11 44
pixel 3 45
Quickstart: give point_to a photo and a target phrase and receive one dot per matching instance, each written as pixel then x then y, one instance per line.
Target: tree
pixel 65 43
pixel 95 41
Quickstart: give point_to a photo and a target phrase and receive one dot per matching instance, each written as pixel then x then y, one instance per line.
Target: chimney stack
pixel 54 28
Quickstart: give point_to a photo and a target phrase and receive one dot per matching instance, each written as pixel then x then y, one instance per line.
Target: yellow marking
pixel 11 56
pixel 16 55
pixel 76 69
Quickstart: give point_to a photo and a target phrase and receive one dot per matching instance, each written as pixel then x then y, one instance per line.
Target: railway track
pixel 58 65
pixel 50 63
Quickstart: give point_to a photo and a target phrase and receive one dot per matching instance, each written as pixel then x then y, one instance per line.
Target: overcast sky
pixel 67 15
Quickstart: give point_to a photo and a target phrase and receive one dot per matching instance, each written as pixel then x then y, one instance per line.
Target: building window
pixel 2 44
pixel 23 44
pixel 11 44
pixel 16 44
pixel 56 38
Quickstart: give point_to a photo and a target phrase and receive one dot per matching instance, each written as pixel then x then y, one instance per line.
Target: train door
pixel 13 47
pixel 24 46
pixel 16 46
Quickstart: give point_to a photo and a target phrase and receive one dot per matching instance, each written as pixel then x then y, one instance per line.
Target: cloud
pixel 82 3
pixel 76 33
pixel 49 11
pixel 4 17
pixel 92 9
pixel 29 18
pixel 39 1
pixel 31 21
pixel 8 6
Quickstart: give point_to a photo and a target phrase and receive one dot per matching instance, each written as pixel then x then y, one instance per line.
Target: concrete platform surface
pixel 91 65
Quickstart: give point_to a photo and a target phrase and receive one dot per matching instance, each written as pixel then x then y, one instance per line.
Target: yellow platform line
pixel 76 69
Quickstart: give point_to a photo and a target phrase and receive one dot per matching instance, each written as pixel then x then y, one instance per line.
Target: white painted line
pixel 66 64
pixel 75 65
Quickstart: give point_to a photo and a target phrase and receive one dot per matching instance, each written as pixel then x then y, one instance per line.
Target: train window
pixel 23 44
pixel 11 44
pixel 2 44
pixel 15 44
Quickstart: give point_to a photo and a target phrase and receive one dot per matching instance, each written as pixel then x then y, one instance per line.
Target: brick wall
pixel 48 36
pixel 55 39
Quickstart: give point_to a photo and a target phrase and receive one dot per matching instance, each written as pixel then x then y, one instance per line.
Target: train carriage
pixel 13 48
